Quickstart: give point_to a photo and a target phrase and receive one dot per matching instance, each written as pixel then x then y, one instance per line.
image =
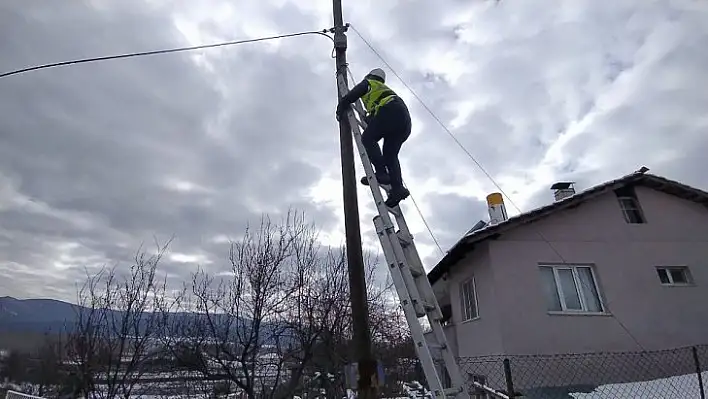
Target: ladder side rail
pixel 428 296
pixel 384 226
pixel 400 219
pixel 418 302
pixel 368 168
pixel 399 262
pixel 421 346
pixel 359 108
pixel 449 359
pixel 434 317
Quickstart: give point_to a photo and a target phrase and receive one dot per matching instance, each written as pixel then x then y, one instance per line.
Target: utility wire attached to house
pixel 489 176
pixel 323 33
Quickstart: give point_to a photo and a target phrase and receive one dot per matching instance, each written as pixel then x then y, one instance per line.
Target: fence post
pixel 698 372
pixel 509 381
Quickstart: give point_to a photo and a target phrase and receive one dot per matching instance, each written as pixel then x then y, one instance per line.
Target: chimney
pixel 562 190
pixel 497 211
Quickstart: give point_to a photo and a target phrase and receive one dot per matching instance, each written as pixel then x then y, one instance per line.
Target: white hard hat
pixel 378 72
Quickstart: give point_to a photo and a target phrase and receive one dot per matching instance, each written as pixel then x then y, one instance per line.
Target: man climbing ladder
pixel 387 118
pixel 407 272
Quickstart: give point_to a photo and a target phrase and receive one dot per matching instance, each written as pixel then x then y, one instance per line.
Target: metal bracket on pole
pixel 340 39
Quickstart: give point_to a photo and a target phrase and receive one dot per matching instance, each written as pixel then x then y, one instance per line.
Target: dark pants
pixel 392 123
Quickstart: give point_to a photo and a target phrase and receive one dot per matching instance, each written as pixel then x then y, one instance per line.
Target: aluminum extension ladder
pixel 409 277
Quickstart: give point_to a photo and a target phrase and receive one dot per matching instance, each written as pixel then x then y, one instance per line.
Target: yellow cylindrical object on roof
pixel 495 199
pixel 496 208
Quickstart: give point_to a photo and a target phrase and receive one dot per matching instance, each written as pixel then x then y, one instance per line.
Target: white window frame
pixel 671 283
pixel 578 287
pixel 631 204
pixel 463 303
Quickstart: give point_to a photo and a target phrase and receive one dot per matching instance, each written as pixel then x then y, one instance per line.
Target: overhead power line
pixel 494 182
pixel 164 51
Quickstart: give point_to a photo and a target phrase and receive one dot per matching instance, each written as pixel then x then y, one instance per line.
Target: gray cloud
pixel 459 214
pixel 583 91
pixel 107 152
pixel 97 159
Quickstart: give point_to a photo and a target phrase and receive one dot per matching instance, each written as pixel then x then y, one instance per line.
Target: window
pixel 674 275
pixel 629 203
pixel 468 298
pixel 571 289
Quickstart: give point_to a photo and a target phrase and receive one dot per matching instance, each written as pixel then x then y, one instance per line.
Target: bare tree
pixel 14 366
pixel 277 322
pixel 318 310
pixel 261 324
pixel 335 349
pixel 46 371
pixel 110 344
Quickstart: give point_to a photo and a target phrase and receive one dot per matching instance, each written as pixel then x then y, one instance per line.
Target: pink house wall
pixel 480 336
pixel 624 256
pixel 513 318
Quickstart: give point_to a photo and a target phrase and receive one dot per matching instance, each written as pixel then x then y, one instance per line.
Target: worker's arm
pixel 354 94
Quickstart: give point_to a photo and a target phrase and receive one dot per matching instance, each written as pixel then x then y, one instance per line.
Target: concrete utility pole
pixel 367 384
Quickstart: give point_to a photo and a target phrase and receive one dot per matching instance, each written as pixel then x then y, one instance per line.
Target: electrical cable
pixel 543 238
pixel 323 33
pixel 371 47
pixel 164 51
pixel 427 226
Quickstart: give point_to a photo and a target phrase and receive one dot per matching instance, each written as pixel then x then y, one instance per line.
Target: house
pixel 622 266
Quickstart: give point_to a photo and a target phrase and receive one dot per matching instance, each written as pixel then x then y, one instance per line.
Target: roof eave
pixel 467 243
pixel 458 251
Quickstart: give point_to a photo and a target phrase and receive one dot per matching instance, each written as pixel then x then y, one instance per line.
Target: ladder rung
pixel 426 309
pixel 438 346
pixel 417 273
pixel 385 187
pixel 394 211
pixel 405 239
pixel 414 292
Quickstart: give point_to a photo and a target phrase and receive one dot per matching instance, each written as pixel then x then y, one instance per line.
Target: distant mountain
pixel 35 315
pixel 48 315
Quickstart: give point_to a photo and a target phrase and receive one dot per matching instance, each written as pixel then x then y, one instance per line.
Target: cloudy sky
pixel 96 159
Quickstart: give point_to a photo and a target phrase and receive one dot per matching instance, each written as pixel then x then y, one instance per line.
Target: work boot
pixel 397 195
pixel 382 178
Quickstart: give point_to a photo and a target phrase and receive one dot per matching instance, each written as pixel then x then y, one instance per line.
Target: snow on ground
pixel 682 386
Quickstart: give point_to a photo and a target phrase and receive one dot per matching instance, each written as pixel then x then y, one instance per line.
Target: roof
pixel 478 235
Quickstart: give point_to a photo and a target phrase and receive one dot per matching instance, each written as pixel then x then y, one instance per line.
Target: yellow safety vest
pixel 378 95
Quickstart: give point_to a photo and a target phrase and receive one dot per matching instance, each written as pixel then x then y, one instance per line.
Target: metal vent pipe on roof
pixel 497 210
pixel 562 190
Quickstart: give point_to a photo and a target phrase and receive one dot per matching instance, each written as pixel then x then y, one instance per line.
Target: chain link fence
pixel 677 373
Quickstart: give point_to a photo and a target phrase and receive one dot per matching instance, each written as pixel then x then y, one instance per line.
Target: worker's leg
pixel 397 129
pixel 370 138
pixel 391 147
